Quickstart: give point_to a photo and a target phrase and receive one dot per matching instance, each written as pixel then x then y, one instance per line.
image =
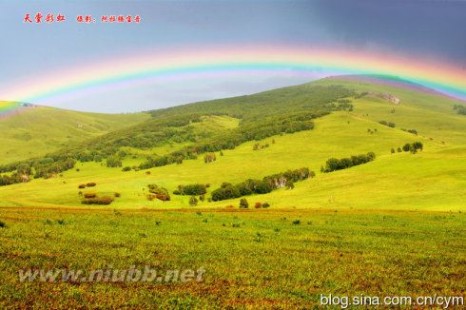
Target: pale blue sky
pixel 427 28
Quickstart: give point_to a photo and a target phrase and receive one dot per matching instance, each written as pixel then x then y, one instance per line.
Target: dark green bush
pixel 191 190
pixel 334 164
pixel 104 200
pixel 243 203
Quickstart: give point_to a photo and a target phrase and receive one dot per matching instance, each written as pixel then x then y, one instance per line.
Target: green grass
pixel 37 131
pixel 391 227
pixel 253 259
pixel 392 181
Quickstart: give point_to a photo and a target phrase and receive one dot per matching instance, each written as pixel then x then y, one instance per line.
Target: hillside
pixel 39 130
pixel 399 180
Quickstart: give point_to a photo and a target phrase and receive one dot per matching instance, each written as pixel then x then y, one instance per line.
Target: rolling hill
pixel 38 130
pixel 394 224
pixel 395 180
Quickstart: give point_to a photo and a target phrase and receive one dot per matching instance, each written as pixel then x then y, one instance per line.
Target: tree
pixel 407 147
pixel 418 145
pixel 243 203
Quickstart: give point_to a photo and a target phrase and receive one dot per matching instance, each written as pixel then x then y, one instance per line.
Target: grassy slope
pixel 253 260
pixel 434 179
pixel 37 131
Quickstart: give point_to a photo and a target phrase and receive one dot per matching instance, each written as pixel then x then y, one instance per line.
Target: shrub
pixel 193 201
pixel 227 191
pixel 90 195
pixel 243 203
pixel 258 205
pixel 389 124
pixel 406 147
pixel 2 224
pixel 191 190
pixel 127 168
pixel 117 195
pixel 163 197
pixel 417 145
pixel 160 193
pixel 91 184
pixel 296 222
pixel 82 186
pixel 114 161
pixel 460 109
pixel 104 200
pixel 210 157
pixel 265 205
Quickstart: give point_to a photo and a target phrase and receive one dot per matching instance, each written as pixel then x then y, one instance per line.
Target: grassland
pixel 394 226
pixel 253 259
pixel 40 130
pixel 393 181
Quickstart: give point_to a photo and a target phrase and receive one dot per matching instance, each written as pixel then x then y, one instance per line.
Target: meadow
pixel 37 131
pixel 394 226
pixel 254 259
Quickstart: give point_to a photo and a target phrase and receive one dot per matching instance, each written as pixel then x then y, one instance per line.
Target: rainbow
pixel 147 67
pixel 8 108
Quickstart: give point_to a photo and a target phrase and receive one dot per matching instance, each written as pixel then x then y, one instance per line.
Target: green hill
pixel 399 180
pixel 40 130
pixel 391 224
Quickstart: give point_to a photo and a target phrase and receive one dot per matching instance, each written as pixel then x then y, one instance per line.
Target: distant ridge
pixel 392 80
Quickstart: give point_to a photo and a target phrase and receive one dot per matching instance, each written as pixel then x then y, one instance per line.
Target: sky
pixel 33 52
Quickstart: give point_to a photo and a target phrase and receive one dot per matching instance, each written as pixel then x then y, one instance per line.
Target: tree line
pixel 264 186
pixel 334 164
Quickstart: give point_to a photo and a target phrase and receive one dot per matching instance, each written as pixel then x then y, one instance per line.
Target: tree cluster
pixel 334 164
pixel 389 124
pixel 191 190
pixel 413 131
pixel 113 161
pixel 413 147
pixel 264 186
